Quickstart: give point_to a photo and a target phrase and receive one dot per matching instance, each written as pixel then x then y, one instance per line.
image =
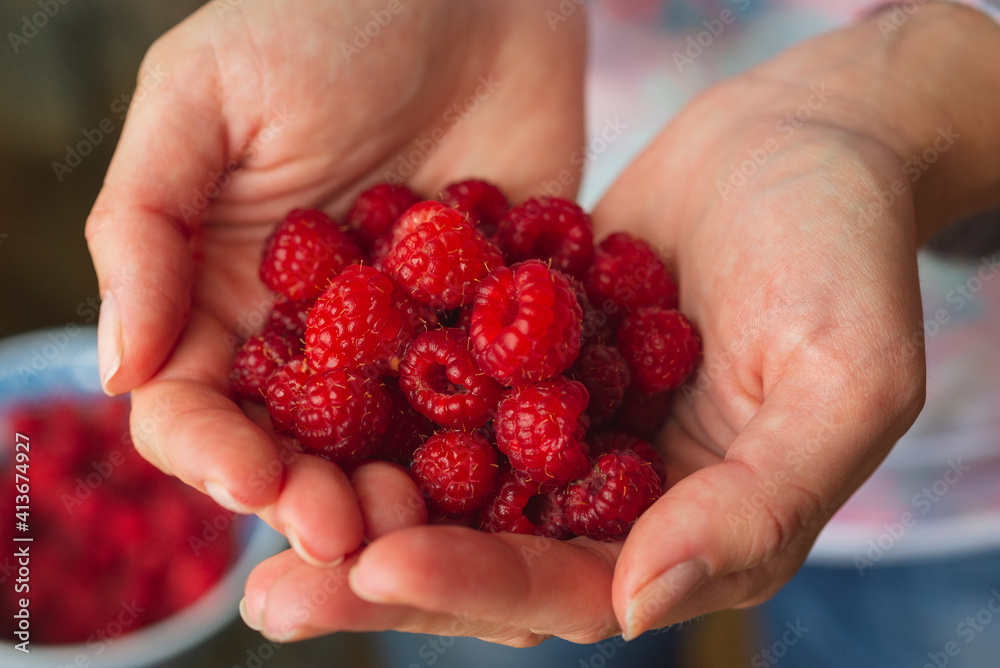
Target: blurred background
pixel 67 73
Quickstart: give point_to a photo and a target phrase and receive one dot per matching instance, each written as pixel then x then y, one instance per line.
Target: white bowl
pixel 63 362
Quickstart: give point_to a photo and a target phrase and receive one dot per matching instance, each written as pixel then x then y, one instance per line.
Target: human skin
pixel 803 284
pixel 269 105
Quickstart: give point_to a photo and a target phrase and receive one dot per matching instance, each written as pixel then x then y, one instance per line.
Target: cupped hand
pixel 250 109
pixel 780 201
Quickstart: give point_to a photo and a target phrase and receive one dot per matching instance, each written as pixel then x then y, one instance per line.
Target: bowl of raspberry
pixel 104 560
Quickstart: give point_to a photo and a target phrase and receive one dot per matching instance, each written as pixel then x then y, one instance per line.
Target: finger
pixel 184 422
pixel 388 497
pixel 138 232
pixel 548 587
pixel 287 599
pixel 808 447
pixel 317 510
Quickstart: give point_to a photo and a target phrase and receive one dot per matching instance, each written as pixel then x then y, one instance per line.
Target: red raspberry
pixel 456 470
pixel 517 506
pixel 627 273
pixel 611 440
pixel 442 260
pixel 548 228
pixel 288 318
pixel 541 428
pixel 525 323
pixel 257 359
pixel 480 200
pixel 442 380
pixel 412 218
pixel 341 414
pixel 362 320
pixel 660 347
pixel 407 431
pixel 604 373
pixel 642 414
pixel 304 252
pixel 408 221
pixel 606 503
pixel 375 211
pixel 284 392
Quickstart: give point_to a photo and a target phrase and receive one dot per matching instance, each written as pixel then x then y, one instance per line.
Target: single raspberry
pixel 408 428
pixel 442 380
pixel 604 373
pixel 304 252
pixel 284 393
pixel 408 221
pixel 518 506
pixel 257 359
pixel 482 201
pixel 288 318
pixel 525 323
pixel 362 320
pixel 610 440
pixel 660 347
pixel 642 414
pixel 548 228
pixel 541 429
pixel 442 261
pixel 605 503
pixel 456 470
pixel 626 273
pixel 375 211
pixel 341 414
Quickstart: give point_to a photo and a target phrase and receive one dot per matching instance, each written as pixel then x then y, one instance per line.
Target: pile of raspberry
pixel 516 369
pixel 115 544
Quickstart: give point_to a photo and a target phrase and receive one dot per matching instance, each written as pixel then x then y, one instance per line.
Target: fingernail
pixel 109 340
pixel 296 543
pixel 288 634
pixel 656 599
pixel 255 624
pixel 222 497
pixel 363 590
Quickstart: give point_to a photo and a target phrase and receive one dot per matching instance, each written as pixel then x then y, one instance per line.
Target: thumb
pixel 138 231
pixel 731 533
